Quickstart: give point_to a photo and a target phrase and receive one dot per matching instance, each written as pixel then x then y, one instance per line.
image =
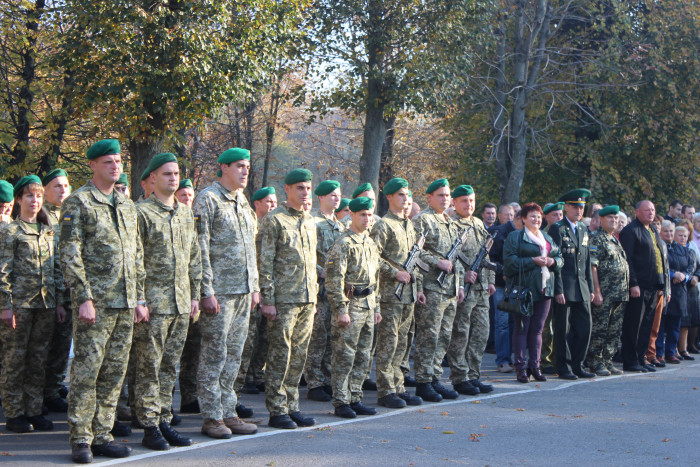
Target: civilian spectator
pixel 687 212
pixel 488 214
pixel 505 214
pixel 674 211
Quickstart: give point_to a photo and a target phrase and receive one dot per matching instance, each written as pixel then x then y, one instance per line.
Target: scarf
pixel 539 240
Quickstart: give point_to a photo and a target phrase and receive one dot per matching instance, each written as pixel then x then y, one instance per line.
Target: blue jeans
pixel 503 330
pixel 669 333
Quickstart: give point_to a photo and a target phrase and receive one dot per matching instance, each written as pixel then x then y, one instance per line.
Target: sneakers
pixel 239 427
pixel 19 424
pixel 344 411
pixel 215 429
pixel 361 409
pixel 111 449
pixel 81 453
pixel 153 439
pixel 466 388
pixel 505 368
pixel 410 400
pixel 318 394
pixel 426 392
pixel 302 420
pixel 391 401
pixel 443 391
pixel 172 436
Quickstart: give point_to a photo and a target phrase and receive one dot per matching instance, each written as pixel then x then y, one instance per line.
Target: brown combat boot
pixel 239 427
pixel 215 429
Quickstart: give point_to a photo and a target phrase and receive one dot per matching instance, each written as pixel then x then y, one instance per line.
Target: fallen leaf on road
pixel 482 426
pixel 448 432
pixel 444 414
pixel 310 436
pixel 577 416
pixel 695 388
pixel 427 427
pixel 665 440
pixel 7 454
pixel 385 441
pixel 476 402
pixel 520 409
pixel 623 404
pixel 421 410
pixel 474 437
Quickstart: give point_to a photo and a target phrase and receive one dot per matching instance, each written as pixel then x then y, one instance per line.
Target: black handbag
pixel 517 299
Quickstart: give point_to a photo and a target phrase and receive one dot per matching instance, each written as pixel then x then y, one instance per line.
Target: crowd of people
pixel 264 298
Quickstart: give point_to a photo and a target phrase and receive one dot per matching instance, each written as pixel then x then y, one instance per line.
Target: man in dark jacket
pixel 573 288
pixel 647 265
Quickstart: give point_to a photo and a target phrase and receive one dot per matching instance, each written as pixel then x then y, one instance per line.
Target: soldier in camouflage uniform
pixel 31 290
pixel 56 190
pixel 173 274
pixel 394 236
pixel 102 262
pixel 251 375
pixel 328 229
pixel 7 201
pixel 227 229
pixel 352 281
pixel 470 330
pixel 611 287
pixel 434 319
pixel 289 290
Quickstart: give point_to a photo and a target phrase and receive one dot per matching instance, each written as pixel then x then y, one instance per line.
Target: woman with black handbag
pixel 530 260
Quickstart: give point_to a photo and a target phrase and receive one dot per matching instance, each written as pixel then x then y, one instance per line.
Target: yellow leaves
pixel 444 414
pixel 448 432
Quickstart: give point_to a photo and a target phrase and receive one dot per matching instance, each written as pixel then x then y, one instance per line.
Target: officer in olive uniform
pixel 611 279
pixel 573 288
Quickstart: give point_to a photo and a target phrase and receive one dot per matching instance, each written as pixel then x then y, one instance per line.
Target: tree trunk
pixel 270 128
pixel 250 108
pixel 141 152
pixel 49 160
pixel 386 171
pixel 500 138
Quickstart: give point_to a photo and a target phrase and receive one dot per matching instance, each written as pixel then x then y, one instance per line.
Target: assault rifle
pixel 411 263
pixel 453 255
pixel 480 261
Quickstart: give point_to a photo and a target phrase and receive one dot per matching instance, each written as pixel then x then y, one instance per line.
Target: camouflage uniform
pixel 189 362
pixel 318 361
pixel 353 261
pixel 434 319
pixel 288 278
pixel 610 260
pixel 59 343
pixel 31 284
pixel 102 261
pixel 227 227
pixel 470 330
pixel 394 237
pixel 173 273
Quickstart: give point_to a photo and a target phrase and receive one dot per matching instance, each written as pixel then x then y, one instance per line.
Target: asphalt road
pixel 632 419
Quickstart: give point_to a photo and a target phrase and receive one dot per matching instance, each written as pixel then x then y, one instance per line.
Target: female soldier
pixel 31 287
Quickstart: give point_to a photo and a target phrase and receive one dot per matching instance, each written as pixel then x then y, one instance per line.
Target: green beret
pixel 123 180
pixel 24 181
pixel 186 183
pixel 343 204
pixel 145 174
pixel 439 183
pixel 361 189
pixel 607 210
pixel 55 173
pixel 297 176
pixel 553 207
pixel 361 203
pixel 102 148
pixel 576 197
pixel 462 190
pixel 233 155
pixel 158 160
pixel 6 192
pixel 326 187
pixel 263 193
pixel 394 185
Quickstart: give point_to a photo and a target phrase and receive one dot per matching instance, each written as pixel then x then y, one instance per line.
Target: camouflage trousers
pixel 101 356
pixel 547 358
pixel 318 361
pixel 352 346
pixel 157 345
pixel 288 336
pixel 392 334
pixel 605 331
pixel 24 354
pixel 406 361
pixel 59 353
pixel 126 395
pixel 254 351
pixel 470 332
pixel 223 337
pixel 433 331
pixel 189 362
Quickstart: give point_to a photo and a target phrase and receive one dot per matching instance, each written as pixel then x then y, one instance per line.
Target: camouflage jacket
pixel 440 233
pixel 608 257
pixel 327 231
pixel 394 237
pixel 30 276
pixel 353 261
pixel 101 254
pixel 227 227
pixel 472 246
pixel 288 257
pixel 171 256
pixel 54 212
